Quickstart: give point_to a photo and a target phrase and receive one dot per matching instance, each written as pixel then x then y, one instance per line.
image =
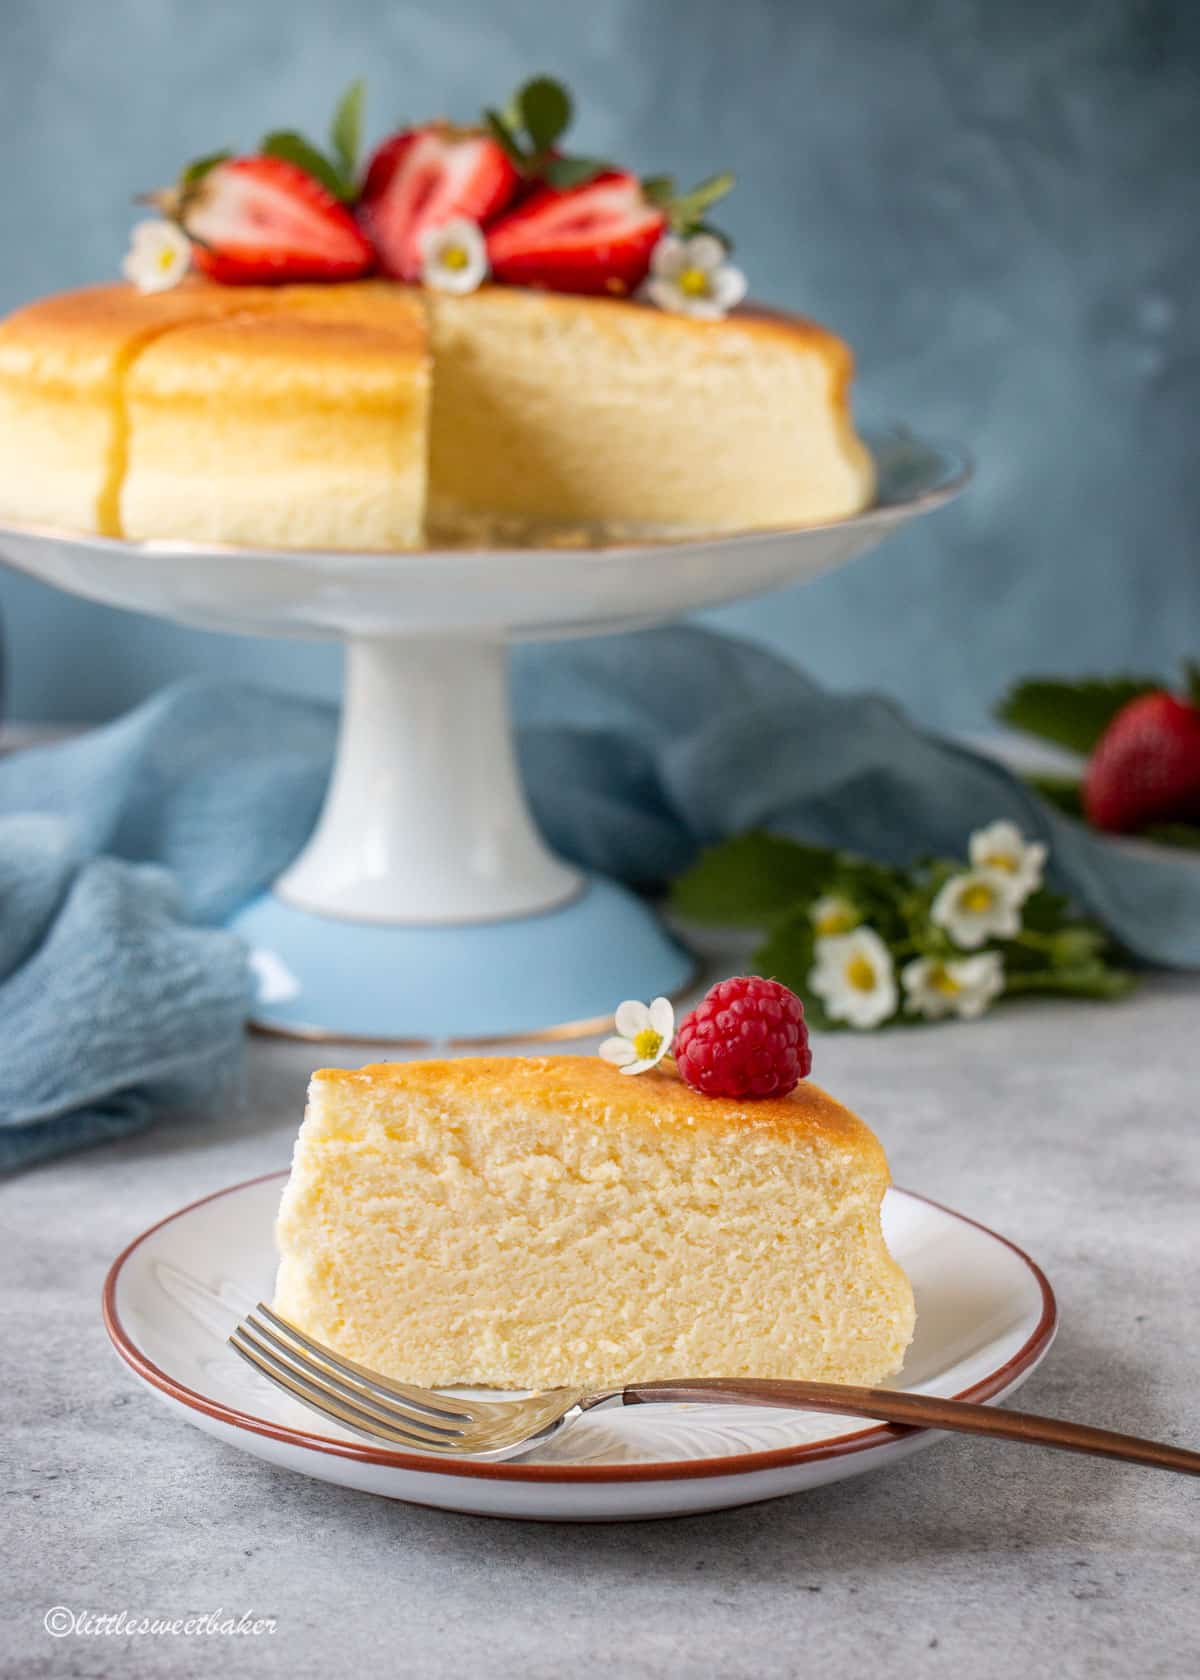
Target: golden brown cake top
pixel 587 1087
pixel 101 313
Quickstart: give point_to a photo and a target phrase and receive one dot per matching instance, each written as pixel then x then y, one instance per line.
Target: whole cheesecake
pixel 537 1222
pixel 378 415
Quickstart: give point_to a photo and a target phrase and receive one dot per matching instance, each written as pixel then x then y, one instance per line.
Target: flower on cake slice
pixel 454 257
pixel 159 255
pixel 644 1035
pixel 693 277
pixel 935 987
pixel 855 978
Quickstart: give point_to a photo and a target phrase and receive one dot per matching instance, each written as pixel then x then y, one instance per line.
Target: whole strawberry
pixel 746 1039
pixel 1146 766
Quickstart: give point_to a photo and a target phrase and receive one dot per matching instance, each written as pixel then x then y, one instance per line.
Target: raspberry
pixel 746 1039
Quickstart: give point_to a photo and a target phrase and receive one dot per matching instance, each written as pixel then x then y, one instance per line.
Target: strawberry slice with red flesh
pixel 593 238
pixel 423 178
pixel 1146 766
pixel 264 221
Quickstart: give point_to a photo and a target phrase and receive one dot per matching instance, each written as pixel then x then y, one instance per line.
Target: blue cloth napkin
pixel 124 850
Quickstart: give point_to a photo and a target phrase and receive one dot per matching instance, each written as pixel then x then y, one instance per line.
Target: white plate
pixel 985 1317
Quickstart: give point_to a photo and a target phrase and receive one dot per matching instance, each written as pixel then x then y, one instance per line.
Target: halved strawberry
pixel 263 220
pixel 594 238
pixel 425 177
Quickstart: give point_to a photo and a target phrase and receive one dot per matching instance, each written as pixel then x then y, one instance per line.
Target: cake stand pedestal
pixel 426 907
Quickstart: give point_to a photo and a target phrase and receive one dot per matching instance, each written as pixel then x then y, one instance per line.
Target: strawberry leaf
pixel 1071 714
pixel 345 133
pixel 565 172
pixel 1191 680
pixel 687 210
pixel 749 880
pixel 1089 979
pixel 1063 792
pixel 291 147
pixel 658 190
pixel 501 131
pixel 1181 834
pixel 545 110
pixel 195 171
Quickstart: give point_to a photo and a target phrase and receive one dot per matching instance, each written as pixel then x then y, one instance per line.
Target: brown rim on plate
pixel 732 1464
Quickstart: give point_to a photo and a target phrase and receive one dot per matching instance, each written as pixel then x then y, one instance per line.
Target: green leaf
pixel 195 171
pixel 1063 792
pixel 687 211
pixel 1071 714
pixel 285 143
pixel 1077 946
pixel 658 189
pixel 565 172
pixel 504 137
pixel 749 880
pixel 1183 835
pixel 786 955
pixel 1045 911
pixel 545 107
pixel 345 133
pixel 1088 979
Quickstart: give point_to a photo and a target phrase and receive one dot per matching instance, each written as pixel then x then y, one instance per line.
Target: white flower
pixel 454 256
pixel 965 987
pixel 834 914
pixel 645 1035
pixel 854 977
pixel 159 256
pixel 978 905
pixel 691 277
pixel 1002 846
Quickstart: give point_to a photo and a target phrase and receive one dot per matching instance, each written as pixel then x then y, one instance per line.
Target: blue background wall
pixel 996 203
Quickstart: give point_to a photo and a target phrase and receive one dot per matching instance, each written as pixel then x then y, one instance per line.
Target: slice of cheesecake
pixel 533 1222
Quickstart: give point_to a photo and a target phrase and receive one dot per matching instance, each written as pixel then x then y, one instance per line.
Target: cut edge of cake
pixel 538 1222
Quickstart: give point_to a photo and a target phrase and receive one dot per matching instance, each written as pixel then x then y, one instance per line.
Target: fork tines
pixel 356 1398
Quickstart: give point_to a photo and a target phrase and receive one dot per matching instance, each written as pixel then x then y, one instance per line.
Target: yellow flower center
pixel 977 898
pixel 693 282
pixel 860 974
pixel 1003 860
pixel 944 982
pixel 647 1044
pixel 166 259
pixel 839 918
pixel 454 256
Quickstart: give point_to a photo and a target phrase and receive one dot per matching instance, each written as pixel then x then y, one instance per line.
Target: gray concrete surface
pixel 1074 1129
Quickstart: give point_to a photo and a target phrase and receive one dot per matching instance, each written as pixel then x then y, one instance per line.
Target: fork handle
pixel 922 1411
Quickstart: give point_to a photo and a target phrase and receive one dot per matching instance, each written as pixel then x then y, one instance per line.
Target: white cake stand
pixel 426 906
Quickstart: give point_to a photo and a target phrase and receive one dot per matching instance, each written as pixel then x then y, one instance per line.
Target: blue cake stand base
pixel 558 974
